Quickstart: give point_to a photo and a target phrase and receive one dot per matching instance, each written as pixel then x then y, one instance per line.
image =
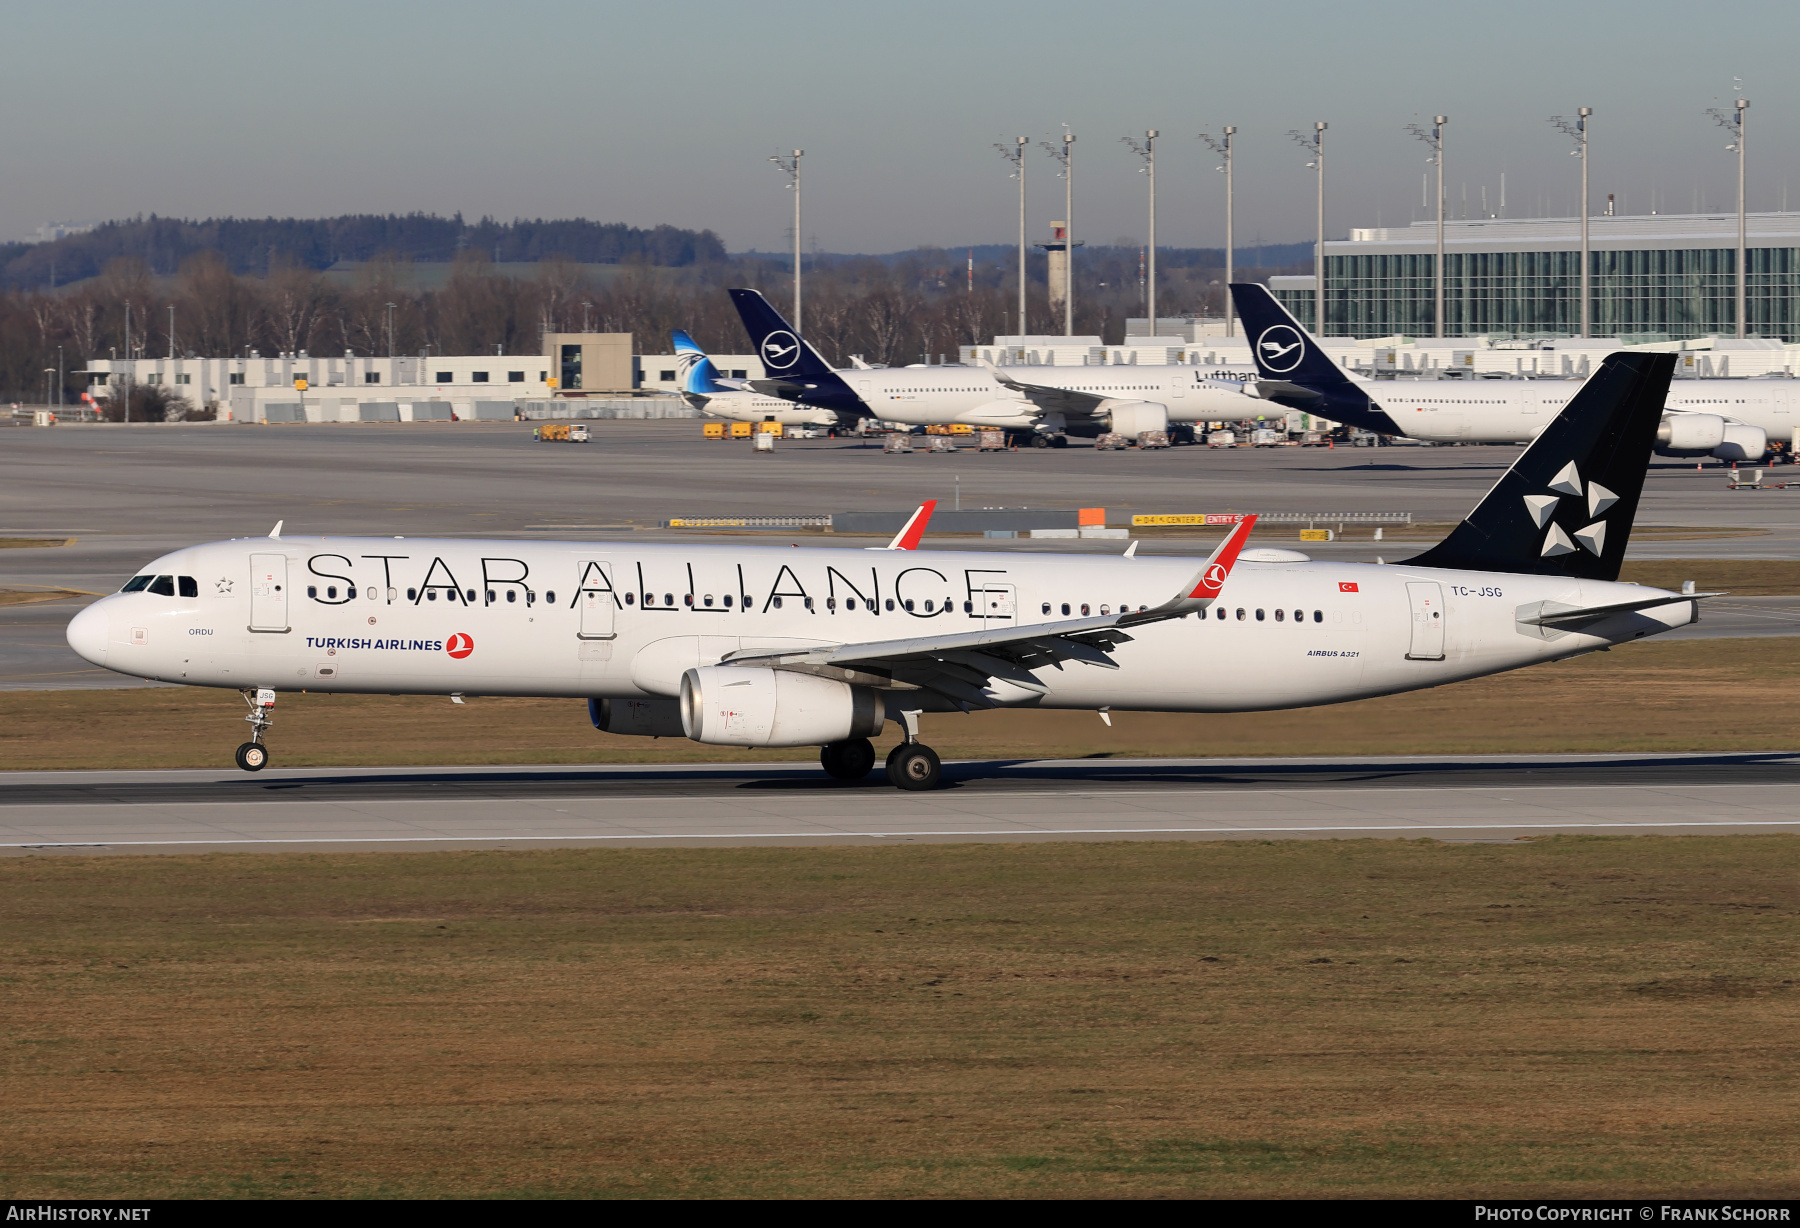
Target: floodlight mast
pixel 1015 154
pixel 1315 145
pixel 1435 140
pixel 1066 156
pixel 1734 124
pixel 1578 131
pixel 1147 151
pixel 1222 147
pixel 791 164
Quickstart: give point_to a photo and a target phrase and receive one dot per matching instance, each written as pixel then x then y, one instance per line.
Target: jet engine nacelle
pixel 1742 443
pixel 644 718
pixel 1019 414
pixel 1692 433
pixel 1133 418
pixel 726 706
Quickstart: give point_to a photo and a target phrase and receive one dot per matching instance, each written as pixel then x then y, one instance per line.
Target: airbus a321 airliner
pixel 772 646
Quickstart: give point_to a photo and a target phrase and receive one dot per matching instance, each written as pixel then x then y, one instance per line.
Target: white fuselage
pixel 755 407
pixel 936 396
pixel 1514 411
pixel 614 619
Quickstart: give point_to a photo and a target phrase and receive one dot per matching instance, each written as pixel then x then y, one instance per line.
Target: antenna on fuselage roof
pixel 276 531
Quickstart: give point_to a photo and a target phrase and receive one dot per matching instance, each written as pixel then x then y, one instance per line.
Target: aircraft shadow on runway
pixel 996 775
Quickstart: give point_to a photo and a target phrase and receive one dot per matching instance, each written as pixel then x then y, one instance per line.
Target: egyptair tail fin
pixel 698 376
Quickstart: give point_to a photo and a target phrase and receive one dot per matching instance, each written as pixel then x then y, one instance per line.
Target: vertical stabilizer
pixel 1565 507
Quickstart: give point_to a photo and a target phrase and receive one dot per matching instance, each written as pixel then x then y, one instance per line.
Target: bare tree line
pixel 885 311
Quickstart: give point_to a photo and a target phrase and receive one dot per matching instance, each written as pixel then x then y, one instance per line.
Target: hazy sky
pixel 667 113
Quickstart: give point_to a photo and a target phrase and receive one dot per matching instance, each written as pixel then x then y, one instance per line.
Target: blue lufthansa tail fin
pixel 697 373
pixel 1281 347
pixel 785 355
pixel 1295 372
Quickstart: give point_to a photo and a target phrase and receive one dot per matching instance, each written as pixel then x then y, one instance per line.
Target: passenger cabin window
pixel 137 584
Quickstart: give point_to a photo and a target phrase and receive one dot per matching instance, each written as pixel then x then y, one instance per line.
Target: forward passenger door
pixel 268 592
pixel 598 600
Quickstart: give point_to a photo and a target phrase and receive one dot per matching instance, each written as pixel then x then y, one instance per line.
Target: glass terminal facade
pixel 1520 289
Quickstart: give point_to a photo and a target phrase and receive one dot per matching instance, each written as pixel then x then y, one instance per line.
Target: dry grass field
pixel 1567 1017
pixel 1678 696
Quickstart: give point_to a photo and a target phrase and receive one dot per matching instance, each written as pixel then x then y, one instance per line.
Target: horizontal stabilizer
pixel 1555 614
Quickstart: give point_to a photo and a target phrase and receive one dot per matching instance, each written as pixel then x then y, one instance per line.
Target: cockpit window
pixel 189 587
pixel 135 584
pixel 163 586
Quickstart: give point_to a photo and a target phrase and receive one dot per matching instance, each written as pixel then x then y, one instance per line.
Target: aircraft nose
pixel 87 634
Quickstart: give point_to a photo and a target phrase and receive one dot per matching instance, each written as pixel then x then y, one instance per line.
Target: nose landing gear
pixel 253 756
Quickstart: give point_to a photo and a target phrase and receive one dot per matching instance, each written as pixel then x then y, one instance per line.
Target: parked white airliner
pixel 773 646
pixel 704 389
pixel 1047 402
pixel 1732 419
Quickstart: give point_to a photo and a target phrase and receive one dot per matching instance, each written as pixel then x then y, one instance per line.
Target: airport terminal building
pixel 1662 277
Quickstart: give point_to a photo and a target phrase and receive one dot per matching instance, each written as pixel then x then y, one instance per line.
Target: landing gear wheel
pixel 848 760
pixel 1059 441
pixel 252 756
pixel 914 766
pixel 1040 441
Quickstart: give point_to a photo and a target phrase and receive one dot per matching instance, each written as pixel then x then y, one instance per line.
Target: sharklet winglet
pixel 913 530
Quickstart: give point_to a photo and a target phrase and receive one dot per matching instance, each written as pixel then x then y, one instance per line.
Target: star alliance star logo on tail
pixel 1542 510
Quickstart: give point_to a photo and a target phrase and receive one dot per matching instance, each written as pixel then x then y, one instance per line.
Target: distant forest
pixel 246 293
pixel 260 246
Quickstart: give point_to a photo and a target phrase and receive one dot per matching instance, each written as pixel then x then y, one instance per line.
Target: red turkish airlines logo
pixel 1215 578
pixel 1346 586
pixel 459 645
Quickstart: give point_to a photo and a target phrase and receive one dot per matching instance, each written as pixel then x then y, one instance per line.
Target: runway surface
pixel 1465 798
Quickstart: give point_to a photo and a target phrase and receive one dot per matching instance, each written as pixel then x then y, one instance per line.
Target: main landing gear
pixel 914 766
pixel 911 765
pixel 848 760
pixel 253 756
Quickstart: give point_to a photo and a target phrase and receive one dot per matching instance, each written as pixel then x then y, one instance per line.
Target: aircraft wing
pixel 960 665
pixel 786 389
pixel 1051 400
